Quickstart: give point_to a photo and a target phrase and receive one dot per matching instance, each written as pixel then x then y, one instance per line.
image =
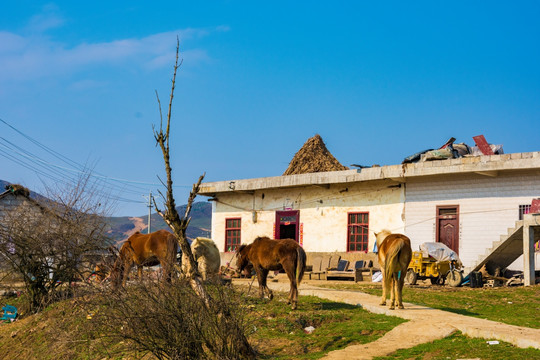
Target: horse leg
pixel 293 292
pixel 394 282
pixel 399 289
pixel 385 286
pixel 261 277
pixel 264 273
pixel 127 268
pixel 139 272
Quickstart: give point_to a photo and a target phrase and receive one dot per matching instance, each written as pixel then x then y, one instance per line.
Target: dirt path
pixel 425 324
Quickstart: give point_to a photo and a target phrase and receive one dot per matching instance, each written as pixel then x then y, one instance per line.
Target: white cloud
pixel 43 22
pixel 36 56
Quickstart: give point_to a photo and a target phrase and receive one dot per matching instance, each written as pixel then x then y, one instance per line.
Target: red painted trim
pixel 437 225
pixel 366 228
pixel 232 228
pixel 279 214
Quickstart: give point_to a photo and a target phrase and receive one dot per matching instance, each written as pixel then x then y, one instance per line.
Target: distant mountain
pixel 200 225
pixel 122 227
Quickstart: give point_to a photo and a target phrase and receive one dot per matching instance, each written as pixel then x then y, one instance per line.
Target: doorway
pixel 448 226
pixel 287 224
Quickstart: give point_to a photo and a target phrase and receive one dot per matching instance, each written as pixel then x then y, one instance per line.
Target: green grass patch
pixel 511 305
pixel 279 332
pixel 458 346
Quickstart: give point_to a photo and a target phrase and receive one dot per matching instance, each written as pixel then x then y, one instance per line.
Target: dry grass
pixel 313 157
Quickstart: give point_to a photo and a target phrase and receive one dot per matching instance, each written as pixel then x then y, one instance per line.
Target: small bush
pixel 171 321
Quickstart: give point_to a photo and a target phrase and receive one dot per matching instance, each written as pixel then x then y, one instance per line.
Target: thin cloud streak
pixel 36 56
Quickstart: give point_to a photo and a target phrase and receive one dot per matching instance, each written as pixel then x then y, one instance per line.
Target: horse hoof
pixel 270 297
pixel 392 307
pixel 401 307
pixel 383 303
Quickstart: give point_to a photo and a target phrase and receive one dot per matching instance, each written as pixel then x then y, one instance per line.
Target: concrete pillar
pixel 528 254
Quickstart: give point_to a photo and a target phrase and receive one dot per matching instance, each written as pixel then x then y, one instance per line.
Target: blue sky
pixel 377 80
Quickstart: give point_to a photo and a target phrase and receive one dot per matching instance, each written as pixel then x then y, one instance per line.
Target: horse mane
pixel 380 236
pixel 241 248
pixel 261 238
pixel 206 241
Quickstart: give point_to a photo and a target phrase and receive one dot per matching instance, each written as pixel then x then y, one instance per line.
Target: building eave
pixel 487 165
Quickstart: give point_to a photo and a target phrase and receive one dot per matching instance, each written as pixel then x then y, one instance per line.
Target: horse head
pixel 241 258
pixel 119 264
pixel 115 275
pixel 243 265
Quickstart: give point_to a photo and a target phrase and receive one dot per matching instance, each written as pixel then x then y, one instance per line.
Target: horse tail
pixel 392 259
pixel 300 264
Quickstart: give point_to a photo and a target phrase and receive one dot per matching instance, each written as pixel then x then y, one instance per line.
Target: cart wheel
pixel 434 280
pixel 454 278
pixel 411 277
pixel 440 280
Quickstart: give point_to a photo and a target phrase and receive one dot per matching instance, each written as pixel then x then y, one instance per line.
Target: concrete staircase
pixel 502 252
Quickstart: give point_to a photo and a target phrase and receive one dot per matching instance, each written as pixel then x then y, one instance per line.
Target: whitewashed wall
pixel 488 206
pixel 324 224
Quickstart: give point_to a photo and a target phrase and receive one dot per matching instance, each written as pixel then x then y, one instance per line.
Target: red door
pixel 287 224
pixel 448 226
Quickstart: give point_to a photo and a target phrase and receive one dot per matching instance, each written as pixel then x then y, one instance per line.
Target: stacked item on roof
pixel 451 150
pixel 313 157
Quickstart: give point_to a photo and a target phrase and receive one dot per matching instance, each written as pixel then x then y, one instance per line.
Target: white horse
pixel 206 255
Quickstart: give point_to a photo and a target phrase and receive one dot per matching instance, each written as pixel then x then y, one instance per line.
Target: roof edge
pixel 486 164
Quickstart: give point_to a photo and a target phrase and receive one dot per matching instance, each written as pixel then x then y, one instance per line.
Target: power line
pixel 66 174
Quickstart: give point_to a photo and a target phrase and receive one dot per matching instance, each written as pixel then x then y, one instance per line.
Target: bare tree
pixel 47 242
pixel 178 224
pixel 172 218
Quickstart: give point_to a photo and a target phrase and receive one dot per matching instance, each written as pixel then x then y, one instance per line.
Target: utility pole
pixel 149 211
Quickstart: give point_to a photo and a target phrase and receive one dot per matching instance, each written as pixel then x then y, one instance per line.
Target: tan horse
pixel 266 254
pixel 206 254
pixel 395 254
pixel 159 247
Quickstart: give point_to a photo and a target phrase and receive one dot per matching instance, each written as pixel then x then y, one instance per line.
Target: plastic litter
pixel 377 277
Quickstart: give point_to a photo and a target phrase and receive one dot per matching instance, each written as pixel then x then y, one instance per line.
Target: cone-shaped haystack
pixel 313 157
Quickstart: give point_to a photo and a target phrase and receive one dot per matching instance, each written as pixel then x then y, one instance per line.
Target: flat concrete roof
pixel 488 165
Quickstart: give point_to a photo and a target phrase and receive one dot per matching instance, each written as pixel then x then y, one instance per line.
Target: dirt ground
pixel 425 324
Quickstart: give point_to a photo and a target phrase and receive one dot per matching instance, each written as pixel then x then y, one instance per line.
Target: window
pixel 232 234
pixel 357 230
pixel 524 209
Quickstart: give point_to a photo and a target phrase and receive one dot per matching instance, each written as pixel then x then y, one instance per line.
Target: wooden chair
pixel 354 273
pixel 320 264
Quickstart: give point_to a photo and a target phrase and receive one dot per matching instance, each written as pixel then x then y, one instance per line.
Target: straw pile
pixel 313 157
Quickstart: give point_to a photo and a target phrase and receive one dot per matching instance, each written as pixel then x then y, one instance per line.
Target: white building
pixel 467 203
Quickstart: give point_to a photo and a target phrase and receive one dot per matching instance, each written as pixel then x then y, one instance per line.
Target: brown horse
pixel 395 254
pixel 159 247
pixel 266 254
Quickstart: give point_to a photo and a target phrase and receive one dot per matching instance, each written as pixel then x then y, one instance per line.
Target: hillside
pixel 122 227
pixel 200 225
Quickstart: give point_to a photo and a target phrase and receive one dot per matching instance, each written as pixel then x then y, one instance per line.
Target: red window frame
pixel 233 227
pixel 357 231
